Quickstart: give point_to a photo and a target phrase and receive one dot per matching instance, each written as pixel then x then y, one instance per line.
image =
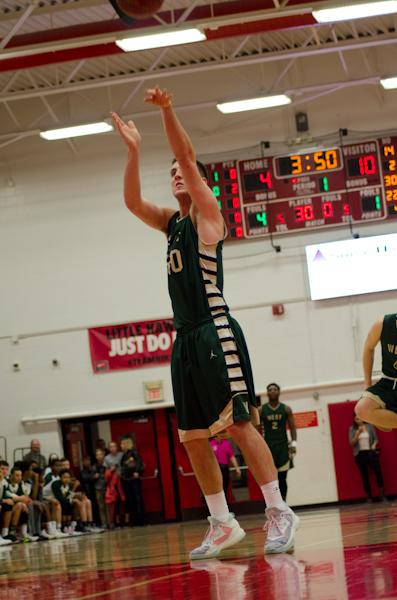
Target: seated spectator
pixel 34 454
pixel 52 506
pixel 63 491
pixel 16 492
pixel 5 468
pixel 51 459
pixel 82 497
pixel 99 470
pixel 40 511
pixel 131 469
pixel 5 504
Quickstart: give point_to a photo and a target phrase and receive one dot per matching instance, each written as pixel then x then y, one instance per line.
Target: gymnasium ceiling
pixel 59 63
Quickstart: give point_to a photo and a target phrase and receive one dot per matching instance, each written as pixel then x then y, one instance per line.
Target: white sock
pixel 51 526
pixel 24 530
pixel 217 506
pixel 272 495
pixel 4 531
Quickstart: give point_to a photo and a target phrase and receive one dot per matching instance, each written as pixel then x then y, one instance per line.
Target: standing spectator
pixel 131 469
pixel 34 454
pixel 275 416
pixel 101 445
pixel 364 441
pixel 87 478
pixel 113 459
pixel 114 494
pixel 99 478
pixel 224 454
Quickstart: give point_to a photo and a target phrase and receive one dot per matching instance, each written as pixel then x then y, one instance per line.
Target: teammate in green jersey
pixel 378 404
pixel 274 417
pixel 211 372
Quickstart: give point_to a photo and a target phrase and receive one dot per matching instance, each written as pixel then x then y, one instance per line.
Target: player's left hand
pixel 158 97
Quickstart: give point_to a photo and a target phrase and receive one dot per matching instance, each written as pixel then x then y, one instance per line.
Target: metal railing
pixel 190 473
pixel 154 476
pixel 22 451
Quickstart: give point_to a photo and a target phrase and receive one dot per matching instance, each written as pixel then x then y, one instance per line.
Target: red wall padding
pixel 347 474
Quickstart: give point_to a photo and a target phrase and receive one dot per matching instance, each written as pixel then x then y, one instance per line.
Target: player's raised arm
pixel 209 219
pixel 149 213
pixel 371 342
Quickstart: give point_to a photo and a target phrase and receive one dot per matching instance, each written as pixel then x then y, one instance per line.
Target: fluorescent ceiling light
pixel 253 103
pixel 355 11
pixel 389 84
pixel 77 131
pixel 161 40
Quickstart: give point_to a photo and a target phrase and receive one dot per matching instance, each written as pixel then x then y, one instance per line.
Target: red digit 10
pixel 367 165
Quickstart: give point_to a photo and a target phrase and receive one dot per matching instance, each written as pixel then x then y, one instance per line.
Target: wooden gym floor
pixel 341 553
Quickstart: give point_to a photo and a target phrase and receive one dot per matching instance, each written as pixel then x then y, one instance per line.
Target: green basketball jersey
pixel 195 275
pixel 275 421
pixel 388 341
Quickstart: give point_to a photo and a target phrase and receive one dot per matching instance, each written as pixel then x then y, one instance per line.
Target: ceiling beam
pixel 269 57
pixel 25 15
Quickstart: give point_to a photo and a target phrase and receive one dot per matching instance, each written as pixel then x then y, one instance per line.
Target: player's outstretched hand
pixel 127 131
pixel 158 97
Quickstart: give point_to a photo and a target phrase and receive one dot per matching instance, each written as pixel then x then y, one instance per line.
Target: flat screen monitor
pixel 351 267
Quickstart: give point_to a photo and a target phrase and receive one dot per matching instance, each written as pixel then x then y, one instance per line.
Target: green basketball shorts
pixel 211 378
pixel 384 392
pixel 280 453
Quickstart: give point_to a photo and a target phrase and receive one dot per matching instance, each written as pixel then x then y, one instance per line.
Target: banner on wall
pixel 131 345
pixel 306 419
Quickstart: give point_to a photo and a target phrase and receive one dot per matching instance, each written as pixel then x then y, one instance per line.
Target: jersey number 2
pixel 174 262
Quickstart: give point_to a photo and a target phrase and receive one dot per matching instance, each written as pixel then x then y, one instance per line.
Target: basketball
pixel 139 9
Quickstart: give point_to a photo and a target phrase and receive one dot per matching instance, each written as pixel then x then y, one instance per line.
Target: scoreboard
pixel 307 190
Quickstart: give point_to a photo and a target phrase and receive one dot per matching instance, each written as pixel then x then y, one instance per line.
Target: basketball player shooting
pixel 378 404
pixel 211 372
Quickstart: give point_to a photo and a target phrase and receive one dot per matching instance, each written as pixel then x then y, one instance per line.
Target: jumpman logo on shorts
pixel 213 355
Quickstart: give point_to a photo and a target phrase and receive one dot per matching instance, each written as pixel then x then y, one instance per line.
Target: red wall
pixel 347 474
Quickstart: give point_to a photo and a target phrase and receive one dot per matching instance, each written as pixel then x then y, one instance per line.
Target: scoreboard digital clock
pixel 309 190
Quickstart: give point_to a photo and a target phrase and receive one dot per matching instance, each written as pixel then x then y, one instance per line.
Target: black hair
pixel 26 465
pixel 62 459
pixel 269 385
pixel 4 463
pixel 53 462
pixel 16 467
pixel 201 167
pixel 63 472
